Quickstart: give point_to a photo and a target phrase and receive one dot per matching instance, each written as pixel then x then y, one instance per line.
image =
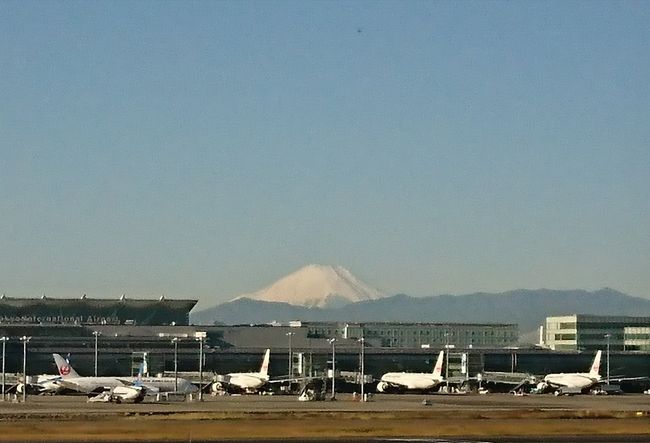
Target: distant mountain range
pixel 332 293
pixel 528 308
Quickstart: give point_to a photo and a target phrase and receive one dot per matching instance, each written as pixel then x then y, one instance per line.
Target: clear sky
pixel 205 149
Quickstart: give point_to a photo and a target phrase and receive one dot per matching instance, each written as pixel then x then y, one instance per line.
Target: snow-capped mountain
pixel 317 286
pixel 528 308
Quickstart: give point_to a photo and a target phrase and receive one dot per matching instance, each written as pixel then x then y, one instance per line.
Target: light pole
pixel 447 361
pixel 200 337
pixel 25 340
pixel 608 336
pixel 175 342
pixel 4 349
pixel 333 343
pixel 363 377
pixel 290 335
pixel 96 334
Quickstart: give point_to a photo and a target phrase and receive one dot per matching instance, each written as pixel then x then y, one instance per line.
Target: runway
pixel 497 418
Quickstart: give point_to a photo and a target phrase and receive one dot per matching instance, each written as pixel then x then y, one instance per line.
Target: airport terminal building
pixel 91 311
pixel 579 332
pixel 123 330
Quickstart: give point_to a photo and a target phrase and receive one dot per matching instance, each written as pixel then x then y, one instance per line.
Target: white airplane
pixel 247 382
pixel 120 394
pixel 421 381
pixel 45 384
pixel 41 384
pixel 72 380
pixel 574 383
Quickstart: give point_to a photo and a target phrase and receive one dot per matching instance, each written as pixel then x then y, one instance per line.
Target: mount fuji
pixel 317 286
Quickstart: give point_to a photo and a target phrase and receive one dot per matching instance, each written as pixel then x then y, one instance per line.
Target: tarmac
pixel 77 404
pixel 436 417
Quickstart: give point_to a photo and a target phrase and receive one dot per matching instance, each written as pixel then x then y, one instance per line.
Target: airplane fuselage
pixel 248 382
pixel 572 381
pixel 408 380
pixel 159 384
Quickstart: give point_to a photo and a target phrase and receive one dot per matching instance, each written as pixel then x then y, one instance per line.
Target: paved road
pixel 381 403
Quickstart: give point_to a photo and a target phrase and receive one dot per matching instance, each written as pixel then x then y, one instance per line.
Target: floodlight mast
pixel 333 343
pixel 96 334
pixel 200 336
pixel 290 365
pixel 4 353
pixel 175 341
pixel 363 376
pixel 608 336
pixel 25 340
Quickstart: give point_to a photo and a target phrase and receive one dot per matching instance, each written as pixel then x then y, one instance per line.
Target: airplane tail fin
pixel 264 370
pixel 141 373
pixel 144 368
pixel 437 369
pixel 63 365
pixel 595 366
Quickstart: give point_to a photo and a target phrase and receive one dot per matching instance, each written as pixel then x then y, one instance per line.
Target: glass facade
pixel 421 335
pixel 592 332
pixel 88 311
pixel 637 338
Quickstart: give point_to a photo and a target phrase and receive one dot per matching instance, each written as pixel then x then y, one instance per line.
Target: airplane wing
pixel 618 384
pixel 509 378
pixel 150 389
pixel 12 389
pixel 292 379
pixel 523 384
pixel 555 384
pixel 620 379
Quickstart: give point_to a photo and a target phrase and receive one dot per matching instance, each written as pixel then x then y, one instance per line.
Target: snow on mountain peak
pixel 317 286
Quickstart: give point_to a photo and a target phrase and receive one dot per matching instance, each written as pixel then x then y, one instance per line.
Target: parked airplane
pixel 133 393
pixel 45 384
pixel 247 382
pixel 72 380
pixel 40 384
pixel 573 383
pixel 421 381
pixel 120 394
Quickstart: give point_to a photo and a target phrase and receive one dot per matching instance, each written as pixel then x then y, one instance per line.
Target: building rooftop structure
pixel 94 311
pixel 421 334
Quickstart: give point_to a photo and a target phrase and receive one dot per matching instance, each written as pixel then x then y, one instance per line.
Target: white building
pixel 592 332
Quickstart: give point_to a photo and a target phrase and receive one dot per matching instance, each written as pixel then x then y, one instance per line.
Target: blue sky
pixel 205 149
